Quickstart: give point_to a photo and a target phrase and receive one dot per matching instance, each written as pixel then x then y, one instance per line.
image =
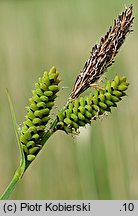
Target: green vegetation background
pixel 100 163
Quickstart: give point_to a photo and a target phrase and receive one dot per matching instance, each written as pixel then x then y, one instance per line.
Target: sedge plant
pixel 78 110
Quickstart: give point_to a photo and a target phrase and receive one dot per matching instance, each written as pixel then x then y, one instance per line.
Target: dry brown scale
pixel 103 54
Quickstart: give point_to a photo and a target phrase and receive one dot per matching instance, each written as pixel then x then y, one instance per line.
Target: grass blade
pixel 20 170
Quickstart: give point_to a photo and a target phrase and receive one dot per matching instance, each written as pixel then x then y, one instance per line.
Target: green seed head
pixel 38 112
pixel 82 111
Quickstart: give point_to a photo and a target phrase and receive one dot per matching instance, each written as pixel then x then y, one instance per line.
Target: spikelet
pixel 38 112
pixel 82 111
pixel 103 54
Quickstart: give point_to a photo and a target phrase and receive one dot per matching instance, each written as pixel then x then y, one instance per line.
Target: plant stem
pixel 20 172
pixel 49 132
pixel 17 176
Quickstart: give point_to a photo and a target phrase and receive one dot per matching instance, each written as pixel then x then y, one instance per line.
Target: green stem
pixel 20 171
pixel 17 176
pixel 49 132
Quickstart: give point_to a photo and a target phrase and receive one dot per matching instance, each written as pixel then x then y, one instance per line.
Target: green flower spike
pixel 38 112
pixel 80 112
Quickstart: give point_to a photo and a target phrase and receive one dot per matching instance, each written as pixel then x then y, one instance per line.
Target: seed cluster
pixel 103 54
pixel 38 112
pixel 80 112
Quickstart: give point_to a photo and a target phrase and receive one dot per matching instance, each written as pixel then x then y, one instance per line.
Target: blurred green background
pixel 101 162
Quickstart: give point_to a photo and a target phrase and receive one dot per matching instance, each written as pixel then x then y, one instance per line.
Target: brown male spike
pixel 102 55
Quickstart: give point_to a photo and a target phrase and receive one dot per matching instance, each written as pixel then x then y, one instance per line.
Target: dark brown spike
pixel 102 54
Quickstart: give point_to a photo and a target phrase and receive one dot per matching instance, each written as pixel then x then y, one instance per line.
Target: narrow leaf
pixel 20 170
